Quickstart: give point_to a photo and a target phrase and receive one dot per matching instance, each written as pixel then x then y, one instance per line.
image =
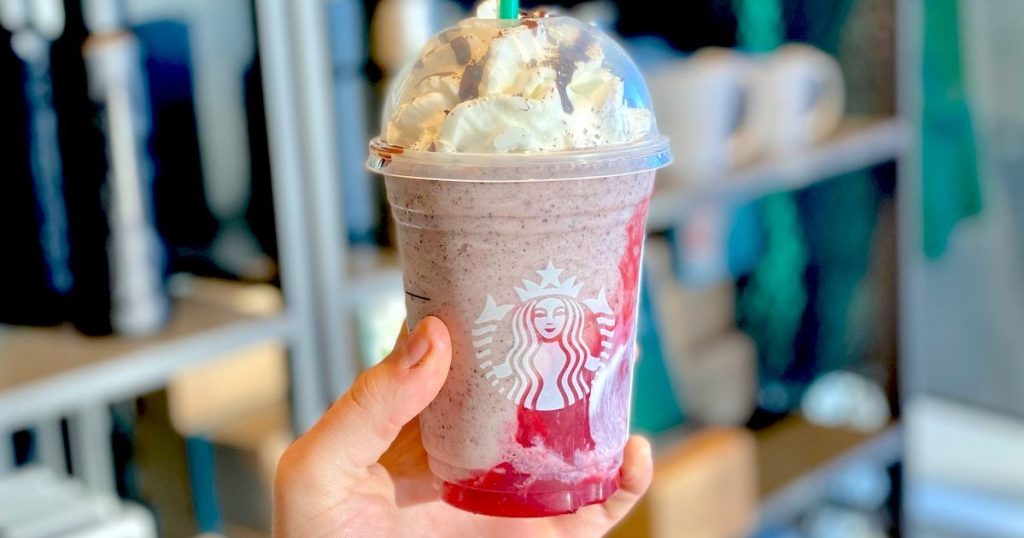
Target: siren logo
pixel 549 364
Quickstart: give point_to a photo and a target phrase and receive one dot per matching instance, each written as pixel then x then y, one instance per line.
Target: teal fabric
pixel 203 480
pixel 839 220
pixel 745 238
pixel 949 169
pixel 771 304
pixel 818 22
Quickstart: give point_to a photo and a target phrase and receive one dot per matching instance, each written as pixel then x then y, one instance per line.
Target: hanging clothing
pixel 950 185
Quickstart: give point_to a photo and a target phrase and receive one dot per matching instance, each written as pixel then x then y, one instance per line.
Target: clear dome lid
pixel 541 84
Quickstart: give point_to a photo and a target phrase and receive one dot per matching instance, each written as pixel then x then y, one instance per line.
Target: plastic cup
pixel 533 262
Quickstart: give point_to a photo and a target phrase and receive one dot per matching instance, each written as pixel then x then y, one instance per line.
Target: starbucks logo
pixel 551 362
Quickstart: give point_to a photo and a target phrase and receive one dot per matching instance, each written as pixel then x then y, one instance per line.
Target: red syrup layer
pixel 505 494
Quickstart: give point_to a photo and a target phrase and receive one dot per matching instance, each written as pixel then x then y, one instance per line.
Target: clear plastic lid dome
pixel 541 84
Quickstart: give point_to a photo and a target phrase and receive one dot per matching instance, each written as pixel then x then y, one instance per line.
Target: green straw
pixel 508 9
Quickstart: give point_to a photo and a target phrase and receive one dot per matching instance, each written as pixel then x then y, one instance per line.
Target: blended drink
pixel 519 159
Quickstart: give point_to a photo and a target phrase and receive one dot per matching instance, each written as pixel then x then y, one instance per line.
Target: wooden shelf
pixel 788 450
pixel 48 371
pixel 796 464
pixel 858 143
pixel 797 461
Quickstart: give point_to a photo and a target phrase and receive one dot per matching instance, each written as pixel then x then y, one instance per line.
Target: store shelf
pixel 798 461
pixel 35 501
pixel 859 142
pixel 49 371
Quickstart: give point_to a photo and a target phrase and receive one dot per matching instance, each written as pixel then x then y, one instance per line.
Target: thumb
pixel 363 422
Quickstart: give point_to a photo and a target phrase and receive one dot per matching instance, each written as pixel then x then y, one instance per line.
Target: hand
pixel 361 471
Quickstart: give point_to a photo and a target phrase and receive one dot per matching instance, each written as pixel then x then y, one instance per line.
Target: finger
pixel 406 463
pixel 634 479
pixel 360 426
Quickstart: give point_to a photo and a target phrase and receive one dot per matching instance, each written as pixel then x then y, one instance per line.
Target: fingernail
pixel 418 345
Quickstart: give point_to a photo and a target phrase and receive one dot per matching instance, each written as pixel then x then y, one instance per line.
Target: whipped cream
pixel 537 85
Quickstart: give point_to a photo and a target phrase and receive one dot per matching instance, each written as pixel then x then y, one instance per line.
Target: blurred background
pixel 195 262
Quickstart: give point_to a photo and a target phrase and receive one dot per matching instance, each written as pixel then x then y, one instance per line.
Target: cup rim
pixel 604 161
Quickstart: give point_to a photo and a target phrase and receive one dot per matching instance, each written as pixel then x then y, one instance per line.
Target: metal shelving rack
pixel 53 371
pixel 858 143
pixel 46 374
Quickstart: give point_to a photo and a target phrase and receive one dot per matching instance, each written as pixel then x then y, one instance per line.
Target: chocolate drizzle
pixel 469 86
pixel 446 36
pixel 386 151
pixel 564 65
pixel 462 49
pixel 564 60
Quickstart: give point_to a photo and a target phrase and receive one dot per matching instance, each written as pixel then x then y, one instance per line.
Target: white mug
pixel 798 98
pixel 702 105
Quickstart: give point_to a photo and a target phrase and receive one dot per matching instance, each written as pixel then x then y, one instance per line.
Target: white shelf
pixel 939 510
pixel 857 144
pixel 35 501
pixel 46 372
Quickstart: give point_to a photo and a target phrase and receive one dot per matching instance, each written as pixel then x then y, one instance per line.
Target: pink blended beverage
pixel 519 158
